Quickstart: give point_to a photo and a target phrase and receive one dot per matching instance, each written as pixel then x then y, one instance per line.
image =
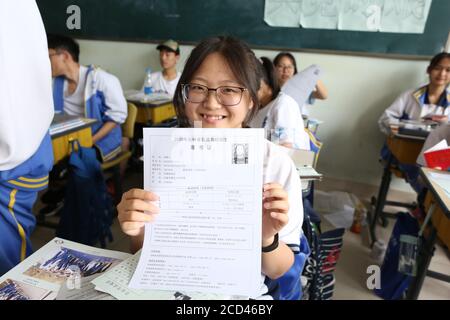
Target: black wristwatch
pixel 272 246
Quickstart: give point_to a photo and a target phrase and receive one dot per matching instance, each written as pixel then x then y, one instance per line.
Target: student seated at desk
pixel 219 88
pixel 431 101
pixel 278 113
pixel 89 92
pixel 166 80
pixel 25 147
pixel 286 68
pixel 427 102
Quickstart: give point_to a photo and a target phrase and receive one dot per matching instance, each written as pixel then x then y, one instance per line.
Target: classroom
pixel 135 143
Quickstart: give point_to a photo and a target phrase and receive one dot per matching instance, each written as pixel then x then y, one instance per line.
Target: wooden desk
pixel 60 141
pixel 405 149
pixel 154 112
pixel 437 205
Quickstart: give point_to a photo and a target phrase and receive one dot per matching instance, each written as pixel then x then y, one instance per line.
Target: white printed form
pixel 207 237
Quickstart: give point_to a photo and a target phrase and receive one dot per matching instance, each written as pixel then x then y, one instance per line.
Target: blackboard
pixel 189 21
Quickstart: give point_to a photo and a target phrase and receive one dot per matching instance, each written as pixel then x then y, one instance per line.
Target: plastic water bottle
pixel 148 86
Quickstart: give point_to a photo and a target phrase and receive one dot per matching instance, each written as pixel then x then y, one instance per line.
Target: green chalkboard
pixel 189 21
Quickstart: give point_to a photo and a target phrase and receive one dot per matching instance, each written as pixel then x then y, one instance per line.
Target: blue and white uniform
pixel 99 96
pixel 414 105
pixel 279 168
pixel 411 105
pixel 283 123
pixel 26 154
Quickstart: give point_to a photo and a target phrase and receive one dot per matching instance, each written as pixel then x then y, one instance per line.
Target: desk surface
pixel 150 104
pixel 438 192
pixel 86 123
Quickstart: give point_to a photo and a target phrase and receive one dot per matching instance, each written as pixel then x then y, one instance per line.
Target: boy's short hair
pixel 169 45
pixel 60 42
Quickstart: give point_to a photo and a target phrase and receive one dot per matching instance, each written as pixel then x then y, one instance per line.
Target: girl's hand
pixel 131 209
pixel 440 118
pixel 275 209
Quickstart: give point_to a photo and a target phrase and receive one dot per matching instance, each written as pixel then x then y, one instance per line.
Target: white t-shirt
pixel 282 122
pixel 162 85
pixel 74 103
pixel 279 168
pixel 106 85
pixel 26 104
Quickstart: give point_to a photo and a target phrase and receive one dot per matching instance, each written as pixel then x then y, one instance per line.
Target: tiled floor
pixel 351 272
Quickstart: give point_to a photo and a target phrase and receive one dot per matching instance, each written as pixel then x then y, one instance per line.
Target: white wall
pixel 360 88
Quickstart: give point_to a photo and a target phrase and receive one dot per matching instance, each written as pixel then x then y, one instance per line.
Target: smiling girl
pixel 218 89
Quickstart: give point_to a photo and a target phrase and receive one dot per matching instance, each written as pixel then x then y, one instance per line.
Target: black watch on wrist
pixel 272 246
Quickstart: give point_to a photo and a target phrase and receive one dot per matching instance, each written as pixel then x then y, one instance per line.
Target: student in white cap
pixel 166 80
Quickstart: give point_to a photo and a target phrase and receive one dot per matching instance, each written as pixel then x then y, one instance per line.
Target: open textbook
pixel 65 270
pixel 60 264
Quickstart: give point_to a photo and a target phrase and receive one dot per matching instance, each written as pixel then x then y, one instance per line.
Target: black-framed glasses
pixel 226 95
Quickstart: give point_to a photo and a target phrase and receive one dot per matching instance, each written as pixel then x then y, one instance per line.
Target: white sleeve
pixel 395 111
pixel 291 233
pixel 287 116
pixel 281 169
pixel 26 103
pixel 114 99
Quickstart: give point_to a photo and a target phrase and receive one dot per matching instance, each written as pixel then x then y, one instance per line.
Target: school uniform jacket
pixel 26 111
pixel 414 105
pixel 103 101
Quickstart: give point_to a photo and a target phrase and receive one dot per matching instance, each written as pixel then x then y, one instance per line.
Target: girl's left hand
pixel 275 209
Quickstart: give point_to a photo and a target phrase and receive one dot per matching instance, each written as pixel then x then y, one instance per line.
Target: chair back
pixel 128 125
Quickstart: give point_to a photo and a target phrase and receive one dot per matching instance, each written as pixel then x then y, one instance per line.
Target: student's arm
pixel 321 91
pixel 394 112
pixel 116 105
pixel 134 210
pixel 288 118
pixel 276 207
pixel 104 130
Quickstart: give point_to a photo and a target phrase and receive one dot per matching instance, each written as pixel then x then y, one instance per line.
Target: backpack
pixel 88 211
pixel 393 282
pixel 321 263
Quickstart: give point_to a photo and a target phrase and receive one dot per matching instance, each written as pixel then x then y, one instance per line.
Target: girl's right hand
pixel 134 210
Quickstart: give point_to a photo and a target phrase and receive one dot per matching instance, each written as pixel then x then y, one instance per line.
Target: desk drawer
pixel 61 146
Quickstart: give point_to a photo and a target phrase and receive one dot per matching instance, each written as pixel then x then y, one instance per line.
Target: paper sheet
pixel 139 96
pixel 399 16
pixel 59 263
pixel 115 282
pixel 285 13
pixel 360 15
pixel 319 14
pixel 300 86
pixel 405 16
pixel 442 179
pixel 439 146
pixel 207 237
